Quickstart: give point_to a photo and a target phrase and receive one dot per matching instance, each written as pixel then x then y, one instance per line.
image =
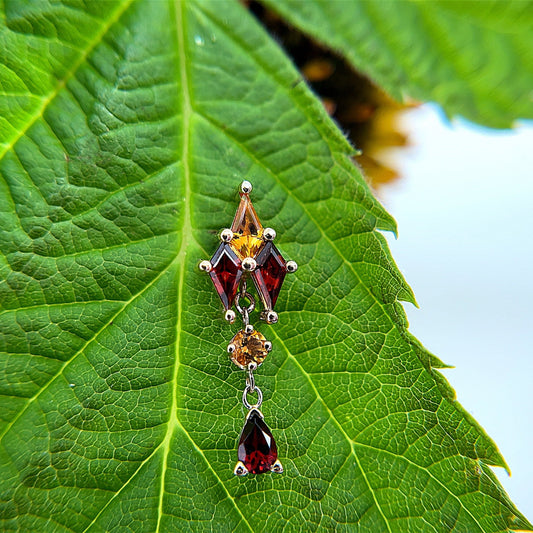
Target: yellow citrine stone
pixel 246 348
pixel 246 245
pixel 247 230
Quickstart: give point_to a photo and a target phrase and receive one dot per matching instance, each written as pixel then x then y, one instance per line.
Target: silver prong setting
pixel 230 316
pixel 268 346
pixel 240 469
pixel 246 187
pixel 269 234
pixel 269 316
pixel 231 348
pixel 248 329
pixel 249 264
pixel 205 266
pixel 252 366
pixel 254 410
pixel 226 235
pixel 277 467
pixel 292 266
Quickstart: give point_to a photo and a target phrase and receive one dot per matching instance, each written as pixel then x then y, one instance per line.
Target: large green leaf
pixel 127 129
pixel 473 58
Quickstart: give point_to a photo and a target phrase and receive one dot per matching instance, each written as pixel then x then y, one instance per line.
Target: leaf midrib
pixel 173 422
pixel 178 7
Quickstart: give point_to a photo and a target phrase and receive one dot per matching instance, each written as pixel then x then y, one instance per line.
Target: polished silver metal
pixel 231 347
pixel 249 264
pixel 245 401
pixel 249 308
pixel 269 234
pixel 248 329
pixel 277 467
pixel 268 346
pixel 269 316
pixel 242 287
pixel 246 187
pixel 226 235
pixel 292 266
pixel 205 266
pixel 254 411
pixel 245 316
pixel 240 469
pixel 250 380
pixel 272 317
pixel 230 316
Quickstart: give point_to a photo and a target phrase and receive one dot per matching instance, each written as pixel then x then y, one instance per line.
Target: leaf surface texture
pixel 126 130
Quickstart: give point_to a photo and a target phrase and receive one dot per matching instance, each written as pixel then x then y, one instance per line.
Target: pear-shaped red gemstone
pixel 257 447
pixel 269 274
pixel 226 274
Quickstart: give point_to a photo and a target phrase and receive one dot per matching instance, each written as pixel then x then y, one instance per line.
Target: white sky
pixel 464 209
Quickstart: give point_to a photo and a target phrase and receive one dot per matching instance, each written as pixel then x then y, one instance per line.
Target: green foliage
pixel 126 129
pixel 474 58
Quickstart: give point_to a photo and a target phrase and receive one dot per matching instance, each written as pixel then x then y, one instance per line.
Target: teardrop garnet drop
pixel 257 447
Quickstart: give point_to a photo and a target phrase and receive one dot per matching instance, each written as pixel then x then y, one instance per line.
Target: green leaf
pixel 127 129
pixel 473 58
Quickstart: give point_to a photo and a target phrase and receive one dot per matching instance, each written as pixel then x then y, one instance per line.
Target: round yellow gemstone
pixel 248 348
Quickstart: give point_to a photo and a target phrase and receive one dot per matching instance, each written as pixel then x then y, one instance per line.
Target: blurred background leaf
pixel 473 58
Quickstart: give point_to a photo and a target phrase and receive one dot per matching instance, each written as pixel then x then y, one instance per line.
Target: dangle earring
pixel 247 251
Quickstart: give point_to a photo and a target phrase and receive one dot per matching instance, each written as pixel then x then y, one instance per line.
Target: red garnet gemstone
pixel 226 274
pixel 257 447
pixel 269 274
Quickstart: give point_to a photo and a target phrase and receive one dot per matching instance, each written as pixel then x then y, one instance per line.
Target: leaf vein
pixel 62 82
pixel 68 361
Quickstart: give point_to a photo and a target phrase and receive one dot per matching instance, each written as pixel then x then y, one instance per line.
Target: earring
pixel 247 251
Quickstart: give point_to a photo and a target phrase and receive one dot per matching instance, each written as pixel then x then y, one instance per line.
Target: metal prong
pixel 246 187
pixel 226 235
pixel 240 469
pixel 252 366
pixel 268 346
pixel 292 266
pixel 277 467
pixel 249 264
pixel 231 348
pixel 249 329
pixel 205 266
pixel 254 410
pixel 230 316
pixel 269 316
pixel 269 234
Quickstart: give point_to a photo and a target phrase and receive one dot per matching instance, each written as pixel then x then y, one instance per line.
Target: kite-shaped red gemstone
pixel 226 274
pixel 269 274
